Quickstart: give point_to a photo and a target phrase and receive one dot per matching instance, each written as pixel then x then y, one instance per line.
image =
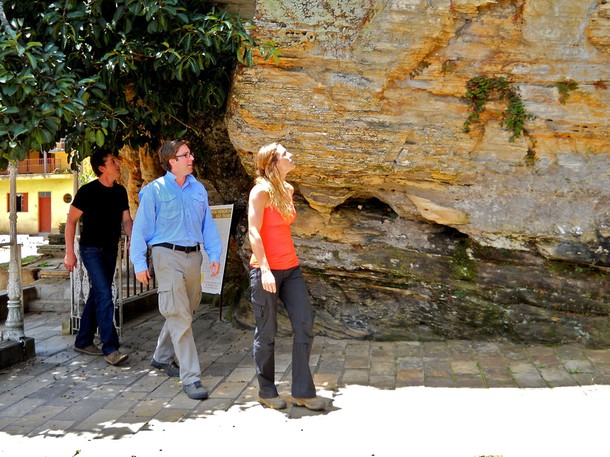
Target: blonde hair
pixel 269 176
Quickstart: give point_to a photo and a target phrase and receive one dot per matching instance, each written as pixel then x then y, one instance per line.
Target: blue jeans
pixel 99 308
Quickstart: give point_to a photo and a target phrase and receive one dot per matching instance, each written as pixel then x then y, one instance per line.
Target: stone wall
pixel 409 226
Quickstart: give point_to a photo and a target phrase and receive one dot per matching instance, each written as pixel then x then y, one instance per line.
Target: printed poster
pixel 222 215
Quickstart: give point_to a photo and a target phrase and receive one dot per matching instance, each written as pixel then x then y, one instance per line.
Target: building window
pixel 22 203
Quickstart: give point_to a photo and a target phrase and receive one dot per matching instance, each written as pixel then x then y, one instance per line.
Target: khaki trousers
pixel 179 287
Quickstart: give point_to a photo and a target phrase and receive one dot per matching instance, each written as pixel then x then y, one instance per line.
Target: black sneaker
pixel 171 369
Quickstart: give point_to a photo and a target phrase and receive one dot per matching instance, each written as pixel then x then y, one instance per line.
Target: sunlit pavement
pixel 448 399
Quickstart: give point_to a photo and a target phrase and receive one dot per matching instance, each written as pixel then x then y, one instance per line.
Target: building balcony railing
pixel 39 166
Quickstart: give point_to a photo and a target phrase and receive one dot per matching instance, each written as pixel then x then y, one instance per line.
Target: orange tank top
pixel 277 241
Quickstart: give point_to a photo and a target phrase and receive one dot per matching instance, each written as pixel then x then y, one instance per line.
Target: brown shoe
pixel 315 403
pixel 92 349
pixel 274 403
pixel 115 358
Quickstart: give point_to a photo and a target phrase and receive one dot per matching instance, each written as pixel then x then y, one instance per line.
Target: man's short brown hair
pixel 168 151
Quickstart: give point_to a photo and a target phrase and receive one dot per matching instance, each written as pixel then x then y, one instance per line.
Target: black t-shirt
pixel 102 217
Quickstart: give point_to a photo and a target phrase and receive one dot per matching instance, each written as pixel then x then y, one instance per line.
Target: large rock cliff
pixel 410 225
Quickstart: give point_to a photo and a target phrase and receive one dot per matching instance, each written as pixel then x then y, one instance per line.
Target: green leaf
pixel 9 90
pixel 19 130
pixel 33 61
pixel 37 135
pixel 100 138
pixel 90 135
pixel 47 136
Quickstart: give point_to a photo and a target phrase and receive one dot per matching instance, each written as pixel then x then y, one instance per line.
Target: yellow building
pixel 45 189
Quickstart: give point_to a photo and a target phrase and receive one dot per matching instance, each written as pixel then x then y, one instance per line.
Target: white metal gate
pixel 125 287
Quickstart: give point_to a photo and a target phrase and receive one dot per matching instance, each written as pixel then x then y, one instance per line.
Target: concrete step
pixel 53 269
pixel 52 294
pixel 56 239
pixel 52 289
pixel 55 250
pixel 47 305
pixel 54 274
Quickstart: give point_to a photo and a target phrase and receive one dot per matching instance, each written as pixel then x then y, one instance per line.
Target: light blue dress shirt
pixel 169 213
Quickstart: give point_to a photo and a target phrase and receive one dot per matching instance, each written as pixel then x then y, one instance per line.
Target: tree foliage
pixel 108 73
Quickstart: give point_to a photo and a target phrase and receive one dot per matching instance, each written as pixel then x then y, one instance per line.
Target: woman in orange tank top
pixel 275 275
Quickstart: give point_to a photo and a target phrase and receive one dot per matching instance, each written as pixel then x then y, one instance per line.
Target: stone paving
pixel 61 392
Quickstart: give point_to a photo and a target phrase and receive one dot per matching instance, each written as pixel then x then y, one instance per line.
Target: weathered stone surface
pixel 369 96
pixel 376 276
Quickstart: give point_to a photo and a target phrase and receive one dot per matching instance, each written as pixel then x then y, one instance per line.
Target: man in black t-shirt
pixel 104 208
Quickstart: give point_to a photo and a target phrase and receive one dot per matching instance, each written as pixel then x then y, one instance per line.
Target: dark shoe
pixel 196 391
pixel 171 369
pixel 92 349
pixel 315 403
pixel 274 403
pixel 115 358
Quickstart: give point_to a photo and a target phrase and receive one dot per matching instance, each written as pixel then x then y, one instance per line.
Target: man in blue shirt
pixel 174 219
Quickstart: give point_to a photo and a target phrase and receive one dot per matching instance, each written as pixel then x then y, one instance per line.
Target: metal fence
pixel 125 287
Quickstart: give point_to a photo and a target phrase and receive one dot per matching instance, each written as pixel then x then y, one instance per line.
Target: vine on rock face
pixel 564 88
pixel 480 89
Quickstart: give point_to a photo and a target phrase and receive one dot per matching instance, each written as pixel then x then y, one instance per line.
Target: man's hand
pixel 70 261
pixel 143 277
pixel 214 268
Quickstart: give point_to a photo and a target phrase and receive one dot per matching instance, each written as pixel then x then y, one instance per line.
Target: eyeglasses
pixel 188 155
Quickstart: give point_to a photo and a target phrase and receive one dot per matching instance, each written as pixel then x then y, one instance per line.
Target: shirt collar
pixel 172 177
